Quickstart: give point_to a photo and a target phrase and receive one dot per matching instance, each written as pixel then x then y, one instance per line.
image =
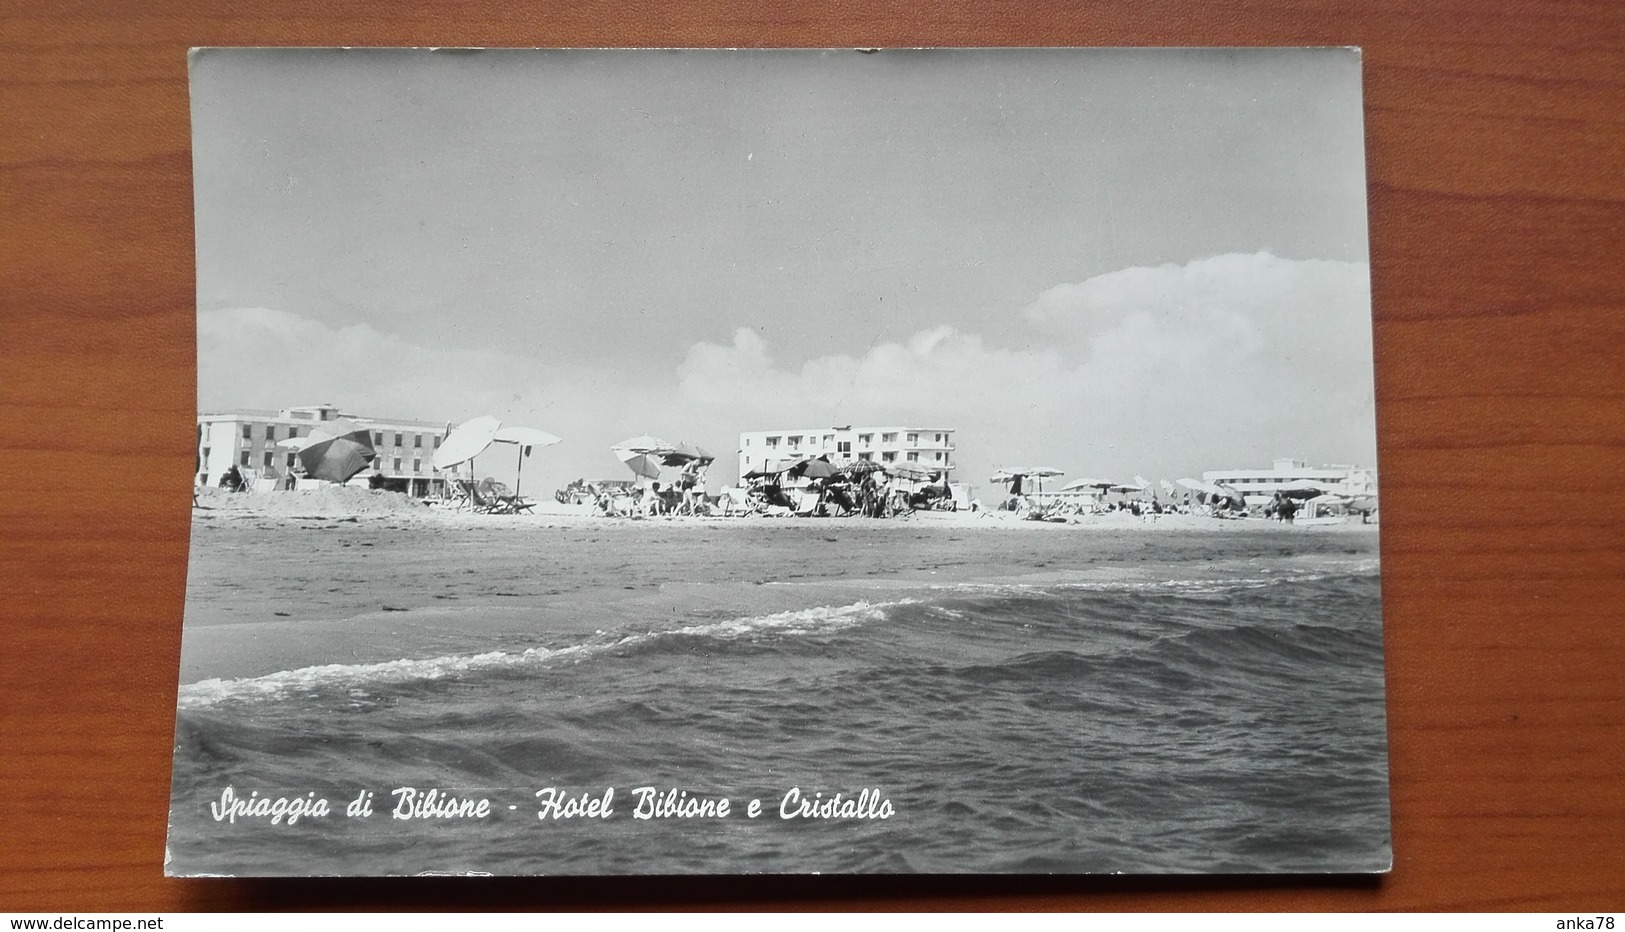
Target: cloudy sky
pixel 1111 262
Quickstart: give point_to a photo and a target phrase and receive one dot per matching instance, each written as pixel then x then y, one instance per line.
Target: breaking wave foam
pixel 274 686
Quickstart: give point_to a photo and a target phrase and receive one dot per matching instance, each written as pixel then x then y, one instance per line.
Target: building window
pixel 270 459
pixel 243 459
pixel 865 439
pixel 437 443
pixel 939 457
pixel 888 457
pixel 397 438
pixel 248 431
pixel 747 441
pixel 865 456
pixel 913 440
pixel 397 464
pixel 417 466
pixel 270 432
pixel 378 438
pixel 844 448
pixel 794 442
pixel 888 438
pixel 939 438
pixel 914 457
pixel 772 443
pixel 293 432
pixel 417 441
pixel 291 458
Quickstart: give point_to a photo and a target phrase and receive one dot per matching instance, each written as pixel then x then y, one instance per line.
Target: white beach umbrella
pixel 1086 483
pixel 643 455
pixel 524 438
pixel 468 440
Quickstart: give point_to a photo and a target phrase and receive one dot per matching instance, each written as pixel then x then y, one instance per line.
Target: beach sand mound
pixel 334 501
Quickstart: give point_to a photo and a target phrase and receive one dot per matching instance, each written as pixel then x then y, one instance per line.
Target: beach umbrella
pixel 912 471
pixel 857 469
pixel 524 438
pixel 336 451
pixel 466 441
pixel 643 455
pixel 683 453
pixel 643 465
pixel 1305 489
pixel 815 469
pixel 1362 504
pixel 643 444
pixel 1086 483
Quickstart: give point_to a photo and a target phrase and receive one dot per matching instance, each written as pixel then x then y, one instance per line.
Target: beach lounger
pixel 736 501
pixel 807 507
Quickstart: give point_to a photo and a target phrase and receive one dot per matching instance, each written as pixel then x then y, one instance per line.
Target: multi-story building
pixel 1258 486
pixel 248 438
pixel 930 447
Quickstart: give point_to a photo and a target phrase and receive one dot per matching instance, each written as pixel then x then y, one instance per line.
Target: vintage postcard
pixel 769 461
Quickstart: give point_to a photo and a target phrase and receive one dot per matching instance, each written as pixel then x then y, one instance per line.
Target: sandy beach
pixel 290 580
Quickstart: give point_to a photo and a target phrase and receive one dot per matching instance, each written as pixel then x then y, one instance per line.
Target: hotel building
pixel 1258 486
pixel 930 447
pixel 247 438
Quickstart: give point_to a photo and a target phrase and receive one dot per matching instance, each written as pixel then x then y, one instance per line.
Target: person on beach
pixel 1287 509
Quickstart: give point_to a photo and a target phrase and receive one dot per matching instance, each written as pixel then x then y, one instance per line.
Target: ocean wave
pixel 821 619
pixel 1194 586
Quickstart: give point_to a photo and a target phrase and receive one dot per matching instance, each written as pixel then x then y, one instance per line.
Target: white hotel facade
pixel 1258 486
pixel 247 439
pixel 930 447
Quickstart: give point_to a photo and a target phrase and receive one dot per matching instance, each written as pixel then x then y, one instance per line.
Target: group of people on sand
pixel 858 493
pixel 1060 510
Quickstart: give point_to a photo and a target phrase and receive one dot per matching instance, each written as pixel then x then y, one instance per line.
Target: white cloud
pixel 1226 361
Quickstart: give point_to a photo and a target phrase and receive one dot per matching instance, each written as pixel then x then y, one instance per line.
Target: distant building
pixel 1258 486
pixel 930 447
pixel 247 438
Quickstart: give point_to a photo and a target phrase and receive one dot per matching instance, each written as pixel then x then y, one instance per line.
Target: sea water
pixel 1198 719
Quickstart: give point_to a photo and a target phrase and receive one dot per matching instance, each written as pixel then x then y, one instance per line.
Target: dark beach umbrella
pixel 1304 489
pixel 684 453
pixel 859 468
pixel 815 469
pixel 337 451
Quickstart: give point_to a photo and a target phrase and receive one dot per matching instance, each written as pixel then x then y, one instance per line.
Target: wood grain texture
pixel 1495 133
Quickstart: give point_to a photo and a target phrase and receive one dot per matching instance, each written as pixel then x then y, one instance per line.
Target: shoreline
pixel 359 505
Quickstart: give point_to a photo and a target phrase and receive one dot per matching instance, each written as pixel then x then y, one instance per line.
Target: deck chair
pixel 492 497
pixel 477 501
pixel 807 507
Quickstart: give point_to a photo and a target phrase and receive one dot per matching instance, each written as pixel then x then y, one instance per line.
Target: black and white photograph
pixel 704 461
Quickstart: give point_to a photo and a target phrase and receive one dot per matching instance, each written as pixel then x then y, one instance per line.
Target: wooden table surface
pixel 1497 179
